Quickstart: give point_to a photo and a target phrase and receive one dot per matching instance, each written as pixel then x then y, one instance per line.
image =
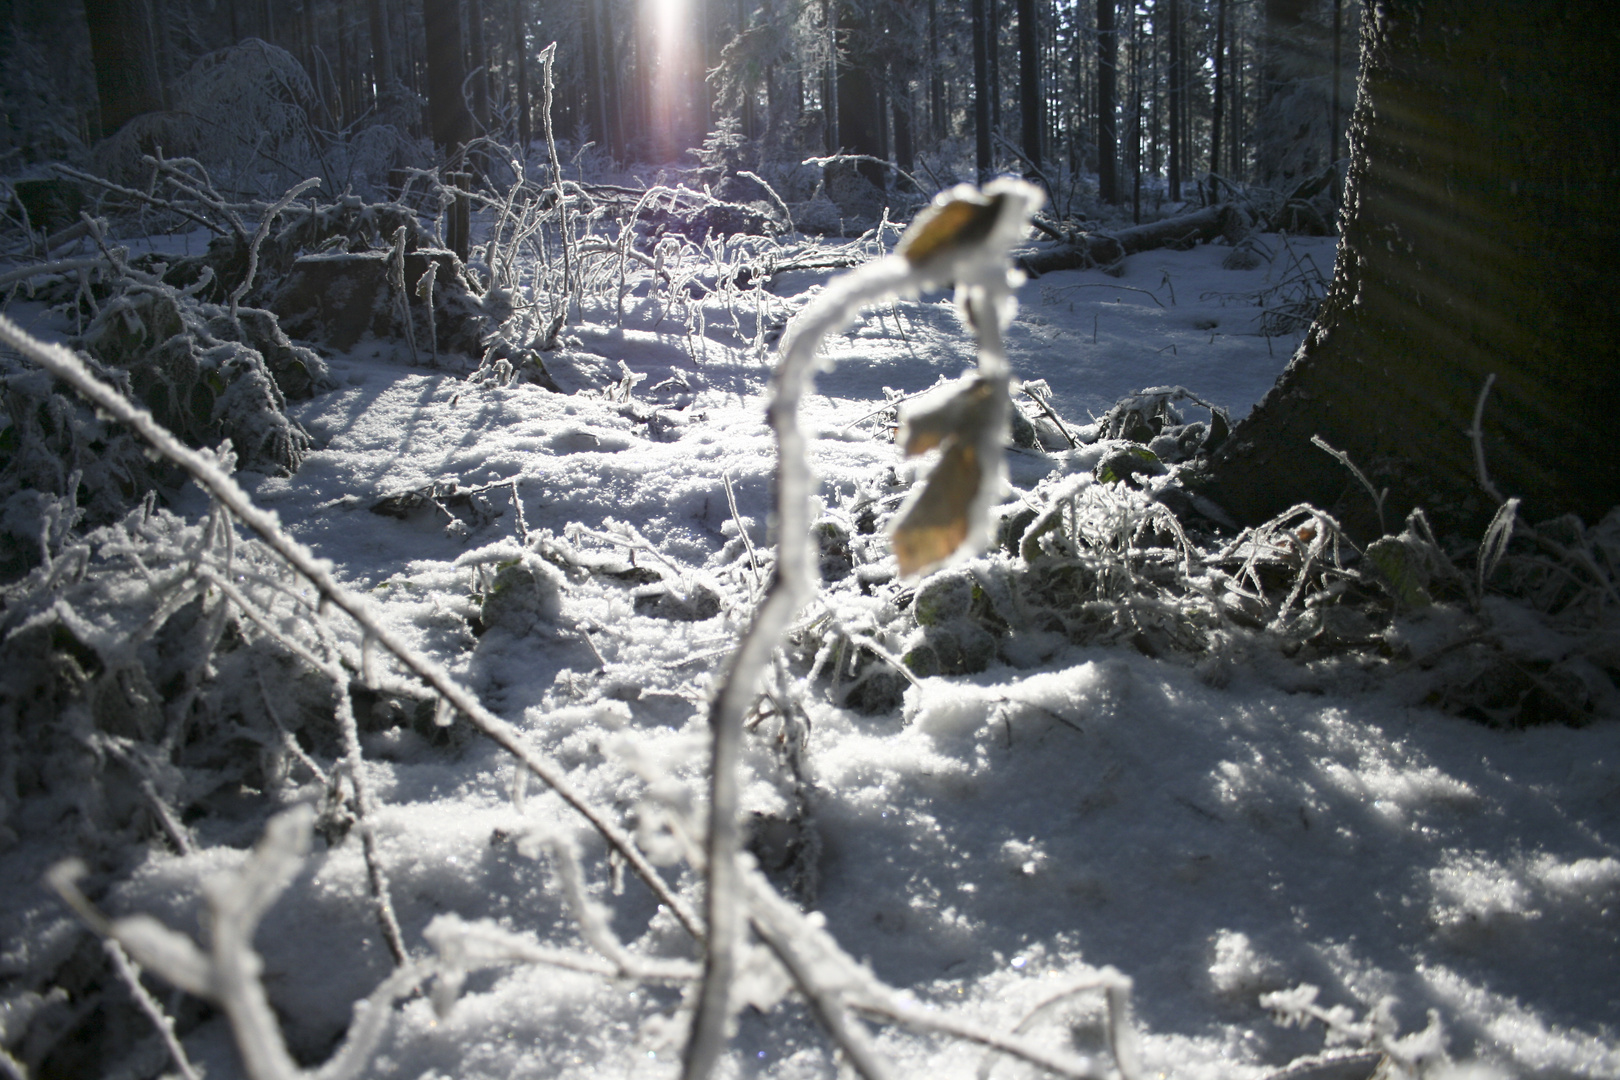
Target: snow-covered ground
pixel 993 842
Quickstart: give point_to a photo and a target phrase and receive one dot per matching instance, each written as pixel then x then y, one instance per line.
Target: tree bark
pixel 981 90
pixel 936 76
pixel 1107 110
pixel 1479 238
pixel 449 122
pixel 992 54
pixel 1030 111
pixel 126 66
pixel 1219 101
pixel 382 53
pixel 478 56
pixel 1181 232
pixel 860 107
pixel 520 57
pixel 1176 103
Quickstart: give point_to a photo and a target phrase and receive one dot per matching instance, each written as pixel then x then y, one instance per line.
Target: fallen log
pixel 1087 250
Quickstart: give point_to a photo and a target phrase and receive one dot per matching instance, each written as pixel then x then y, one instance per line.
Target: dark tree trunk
pixel 612 99
pixel 449 122
pixel 981 89
pixel 904 153
pixel 992 46
pixel 1284 60
pixel 1107 118
pixel 520 57
pixel 1479 235
pixel 126 67
pixel 382 53
pixel 1176 102
pixel 1219 102
pixel 1030 111
pixel 595 91
pixel 860 110
pixel 936 76
pixel 478 57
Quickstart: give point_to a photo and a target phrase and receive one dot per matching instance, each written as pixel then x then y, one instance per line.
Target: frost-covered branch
pixel 227 974
pixel 206 471
pixel 1404 1057
pixel 964 239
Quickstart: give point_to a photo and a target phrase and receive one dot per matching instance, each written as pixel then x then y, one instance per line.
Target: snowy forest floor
pixel 984 841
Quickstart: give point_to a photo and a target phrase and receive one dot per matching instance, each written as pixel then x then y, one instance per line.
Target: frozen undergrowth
pixel 1221 822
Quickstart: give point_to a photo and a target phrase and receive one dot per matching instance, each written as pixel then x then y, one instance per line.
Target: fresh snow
pixel 1214 836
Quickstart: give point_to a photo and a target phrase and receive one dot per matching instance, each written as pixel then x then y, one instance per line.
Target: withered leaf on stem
pixel 935 524
pixel 947 227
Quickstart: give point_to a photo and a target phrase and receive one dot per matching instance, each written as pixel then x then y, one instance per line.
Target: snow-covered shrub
pixel 251 116
pixel 61 466
pixel 135 691
pixel 206 376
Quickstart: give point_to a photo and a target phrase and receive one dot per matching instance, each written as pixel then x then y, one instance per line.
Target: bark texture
pixel 1480 234
pixel 449 122
pixel 122 50
pixel 1088 250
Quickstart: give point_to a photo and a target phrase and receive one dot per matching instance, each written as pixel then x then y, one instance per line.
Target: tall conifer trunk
pixel 1107 111
pixel 126 65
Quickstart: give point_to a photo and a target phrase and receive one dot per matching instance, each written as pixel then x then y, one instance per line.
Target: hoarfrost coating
pixel 988 846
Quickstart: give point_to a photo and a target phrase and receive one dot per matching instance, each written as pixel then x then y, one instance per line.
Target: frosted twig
pixel 548 56
pixel 1378 496
pixel 463 946
pixel 366 813
pixel 206 472
pixel 1050 413
pixel 261 233
pixel 424 292
pixel 1106 980
pixel 592 919
pixel 152 200
pixel 889 406
pixel 132 760
pixel 834 159
pixel 760 180
pixel 977 263
pixel 742 530
pixel 228 973
pixel 841 984
pixel 287 738
pixel 161 1020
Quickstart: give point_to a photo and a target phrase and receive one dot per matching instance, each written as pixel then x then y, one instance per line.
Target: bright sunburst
pixel 672 49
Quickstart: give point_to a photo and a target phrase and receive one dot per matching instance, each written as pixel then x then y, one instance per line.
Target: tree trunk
pixel 1029 83
pixel 904 152
pixel 595 88
pixel 992 47
pixel 126 67
pixel 981 90
pixel 1093 249
pixel 1479 238
pixel 1107 118
pixel 478 57
pixel 1176 102
pixel 382 53
pixel 829 100
pixel 936 76
pixel 860 108
pixel 520 57
pixel 449 122
pixel 1219 100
